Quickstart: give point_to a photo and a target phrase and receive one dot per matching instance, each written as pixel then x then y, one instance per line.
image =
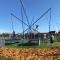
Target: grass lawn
pixel 48 45
pixel 42 45
pixel 4 58
pixel 56 44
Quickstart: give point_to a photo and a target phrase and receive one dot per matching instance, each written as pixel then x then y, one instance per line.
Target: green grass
pixel 42 45
pixel 4 58
pixel 48 45
pixel 56 44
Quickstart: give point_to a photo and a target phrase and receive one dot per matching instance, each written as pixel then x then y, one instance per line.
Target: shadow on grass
pixel 4 58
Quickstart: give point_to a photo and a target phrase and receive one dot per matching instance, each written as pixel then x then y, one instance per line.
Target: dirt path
pixel 31 53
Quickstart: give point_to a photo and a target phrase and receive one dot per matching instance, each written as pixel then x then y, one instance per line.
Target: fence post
pixel 39 42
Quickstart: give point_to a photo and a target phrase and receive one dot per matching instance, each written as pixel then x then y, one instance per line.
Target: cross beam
pixel 40 18
pixel 19 19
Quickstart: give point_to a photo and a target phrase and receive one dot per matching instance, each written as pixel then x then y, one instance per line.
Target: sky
pixel 34 9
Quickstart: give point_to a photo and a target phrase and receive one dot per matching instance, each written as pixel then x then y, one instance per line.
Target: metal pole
pixel 50 26
pixel 24 11
pixel 12 23
pixel 22 21
pixel 50 21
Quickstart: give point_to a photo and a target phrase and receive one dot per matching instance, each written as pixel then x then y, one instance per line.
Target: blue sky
pixel 34 8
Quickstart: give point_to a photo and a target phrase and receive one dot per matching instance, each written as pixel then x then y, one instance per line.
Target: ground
pixel 46 51
pixel 30 53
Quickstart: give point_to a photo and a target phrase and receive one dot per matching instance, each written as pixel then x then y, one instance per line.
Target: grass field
pixel 14 44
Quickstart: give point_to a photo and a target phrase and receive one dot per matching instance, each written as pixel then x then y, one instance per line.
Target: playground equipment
pixel 30 30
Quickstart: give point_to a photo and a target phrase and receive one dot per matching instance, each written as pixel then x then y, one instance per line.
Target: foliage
pixel 57 38
pixel 4 58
